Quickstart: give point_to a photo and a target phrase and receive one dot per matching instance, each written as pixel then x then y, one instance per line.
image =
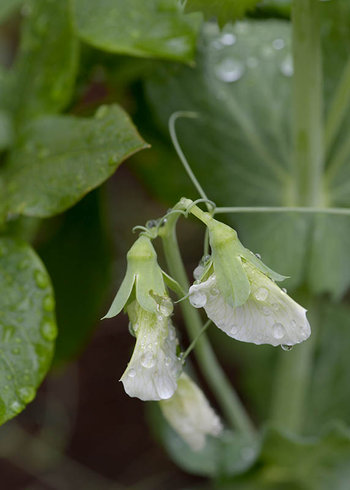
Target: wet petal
pixel 190 414
pixel 154 367
pixel 269 316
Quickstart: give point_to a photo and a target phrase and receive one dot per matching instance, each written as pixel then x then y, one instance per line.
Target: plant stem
pixel 216 378
pixel 339 108
pixel 293 370
pixel 283 209
pixel 307 103
pixel 292 382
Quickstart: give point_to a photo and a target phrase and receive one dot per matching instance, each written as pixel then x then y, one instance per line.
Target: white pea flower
pixel 190 415
pixel 240 296
pixel 154 367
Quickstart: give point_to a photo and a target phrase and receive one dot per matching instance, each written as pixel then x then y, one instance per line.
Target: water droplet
pixel 284 290
pixel 165 307
pixel 26 394
pixel 278 330
pixel 167 361
pixel 16 407
pixel 286 347
pixel 228 39
pixel 147 360
pixel 164 390
pixel 275 306
pixel 131 373
pixel 198 299
pixel 229 70
pixel 40 279
pixel 278 43
pixel 234 329
pixel 48 303
pixel 286 67
pixel 197 273
pixel 113 160
pixel 266 310
pixel 214 291
pixel 204 260
pixel 258 256
pixel 48 330
pixel 172 334
pixel 261 294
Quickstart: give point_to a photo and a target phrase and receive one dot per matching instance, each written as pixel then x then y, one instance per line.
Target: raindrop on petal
pixel 278 330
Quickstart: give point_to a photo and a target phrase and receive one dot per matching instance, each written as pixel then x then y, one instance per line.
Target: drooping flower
pixel 154 367
pixel 190 415
pixel 240 296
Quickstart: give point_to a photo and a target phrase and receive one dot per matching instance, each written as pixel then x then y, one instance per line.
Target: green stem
pixel 292 383
pixel 339 108
pixel 307 103
pixel 293 370
pixel 282 209
pixel 194 341
pixel 216 378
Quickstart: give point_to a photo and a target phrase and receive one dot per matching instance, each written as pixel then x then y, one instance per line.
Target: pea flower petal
pixel 189 413
pixel 269 316
pixel 154 367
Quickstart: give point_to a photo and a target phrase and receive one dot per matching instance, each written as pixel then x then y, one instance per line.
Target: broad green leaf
pixel 228 454
pixel 45 68
pixel 78 257
pixel 241 151
pixel 239 158
pixel 336 49
pixel 58 159
pixel 223 10
pixel 152 28
pixel 294 463
pixel 27 325
pixel 7 7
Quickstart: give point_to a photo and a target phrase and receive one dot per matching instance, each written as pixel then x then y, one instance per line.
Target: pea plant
pixel 254 97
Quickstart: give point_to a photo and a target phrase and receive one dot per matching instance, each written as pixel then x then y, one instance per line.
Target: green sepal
pixel 230 275
pixel 144 272
pixel 122 295
pixel 249 256
pixel 173 285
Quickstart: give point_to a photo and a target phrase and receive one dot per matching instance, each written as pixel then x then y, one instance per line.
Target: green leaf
pixel 7 7
pixel 45 68
pixel 240 147
pixel 78 257
pixel 239 159
pixel 223 10
pixel 27 325
pixel 329 395
pixel 293 463
pixel 156 28
pixel 6 130
pixel 228 454
pixel 58 159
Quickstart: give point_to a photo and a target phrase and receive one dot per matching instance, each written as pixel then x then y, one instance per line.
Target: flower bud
pixel 190 415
